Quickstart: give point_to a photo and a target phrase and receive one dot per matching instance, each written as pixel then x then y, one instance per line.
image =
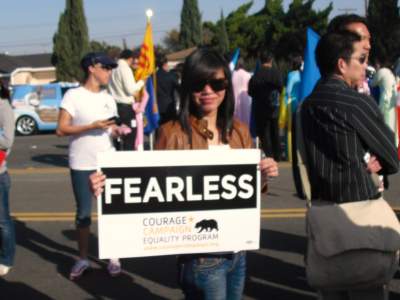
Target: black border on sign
pixel 197 172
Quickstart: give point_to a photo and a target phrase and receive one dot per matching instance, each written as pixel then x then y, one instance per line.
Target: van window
pixel 46 93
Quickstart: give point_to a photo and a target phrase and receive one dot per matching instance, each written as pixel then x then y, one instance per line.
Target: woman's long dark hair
pixel 202 65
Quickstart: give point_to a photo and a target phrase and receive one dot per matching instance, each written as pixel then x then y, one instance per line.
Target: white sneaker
pixel 4 270
pixel 79 267
pixel 114 267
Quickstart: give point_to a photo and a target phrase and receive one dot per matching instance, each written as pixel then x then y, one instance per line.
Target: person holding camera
pixel 87 116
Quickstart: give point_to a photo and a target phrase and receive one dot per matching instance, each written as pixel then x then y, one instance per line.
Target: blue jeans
pixel 7 230
pixel 83 197
pixel 213 276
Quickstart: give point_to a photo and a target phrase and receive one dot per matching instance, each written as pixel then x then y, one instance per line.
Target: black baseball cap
pixel 92 58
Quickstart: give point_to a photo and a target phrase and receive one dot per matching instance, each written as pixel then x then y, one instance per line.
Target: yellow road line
pixel 283 210
pixel 71 219
pixel 39 214
pixel 276 213
pixel 64 214
pixel 38 171
pixel 43 217
pixel 282 216
pixel 48 219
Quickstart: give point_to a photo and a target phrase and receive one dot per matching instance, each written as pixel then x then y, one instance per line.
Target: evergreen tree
pixel 62 51
pixel 272 28
pixel 171 41
pixel 274 25
pixel 299 16
pixel 111 50
pixel 384 25
pixel 191 26
pixel 71 42
pixel 223 41
pixel 241 29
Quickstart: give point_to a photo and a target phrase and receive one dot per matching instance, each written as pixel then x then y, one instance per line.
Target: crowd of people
pixel 209 106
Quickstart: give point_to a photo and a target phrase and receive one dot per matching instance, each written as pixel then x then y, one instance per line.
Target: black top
pixel 167 83
pixel 264 82
pixel 339 127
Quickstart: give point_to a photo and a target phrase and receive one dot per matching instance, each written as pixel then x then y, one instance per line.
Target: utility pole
pixel 366 7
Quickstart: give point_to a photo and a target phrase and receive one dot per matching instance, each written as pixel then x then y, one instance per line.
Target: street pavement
pixel 43 207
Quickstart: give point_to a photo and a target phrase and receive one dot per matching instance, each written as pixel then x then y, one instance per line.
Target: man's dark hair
pixel 161 60
pixel 126 54
pixel 266 57
pixel 333 46
pixel 296 61
pixel 340 22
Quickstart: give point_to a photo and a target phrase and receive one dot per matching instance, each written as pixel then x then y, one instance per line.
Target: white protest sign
pixel 177 202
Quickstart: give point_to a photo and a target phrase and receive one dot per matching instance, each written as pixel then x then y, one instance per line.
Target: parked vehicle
pixel 36 106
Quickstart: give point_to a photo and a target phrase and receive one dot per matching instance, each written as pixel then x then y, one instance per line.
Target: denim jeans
pixel 83 197
pixel 7 230
pixel 213 277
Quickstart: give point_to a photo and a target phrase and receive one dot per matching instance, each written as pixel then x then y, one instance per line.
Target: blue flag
pixel 234 59
pixel 151 112
pixel 310 74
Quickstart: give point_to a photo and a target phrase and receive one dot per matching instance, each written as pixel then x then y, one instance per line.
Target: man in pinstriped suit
pixel 339 127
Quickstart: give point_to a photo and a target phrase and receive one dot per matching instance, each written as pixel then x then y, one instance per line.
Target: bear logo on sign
pixel 208 225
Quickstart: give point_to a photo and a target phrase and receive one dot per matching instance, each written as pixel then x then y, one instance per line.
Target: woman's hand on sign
pixel 268 168
pixel 97 181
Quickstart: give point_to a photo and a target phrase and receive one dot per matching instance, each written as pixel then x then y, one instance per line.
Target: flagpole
pixel 149 15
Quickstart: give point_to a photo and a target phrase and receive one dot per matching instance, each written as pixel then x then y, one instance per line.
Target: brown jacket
pixel 172 137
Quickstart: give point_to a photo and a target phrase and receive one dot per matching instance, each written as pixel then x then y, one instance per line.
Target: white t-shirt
pixel 86 107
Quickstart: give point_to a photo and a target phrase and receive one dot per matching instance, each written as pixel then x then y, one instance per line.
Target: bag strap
pixel 301 157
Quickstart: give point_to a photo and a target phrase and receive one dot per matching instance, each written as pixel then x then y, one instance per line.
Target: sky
pixel 28 26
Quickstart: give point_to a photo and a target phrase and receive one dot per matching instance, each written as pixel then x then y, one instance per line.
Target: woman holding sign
pixel 206 121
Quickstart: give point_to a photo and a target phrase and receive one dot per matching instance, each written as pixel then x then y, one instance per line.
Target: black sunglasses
pixel 217 85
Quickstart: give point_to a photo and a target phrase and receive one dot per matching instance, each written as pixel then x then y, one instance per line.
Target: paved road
pixel 43 206
pixel 39 151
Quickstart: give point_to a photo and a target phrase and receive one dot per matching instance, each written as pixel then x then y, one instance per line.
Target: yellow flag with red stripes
pixel 147 57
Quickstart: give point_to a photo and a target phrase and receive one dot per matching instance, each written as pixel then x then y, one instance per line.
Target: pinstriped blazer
pixel 339 127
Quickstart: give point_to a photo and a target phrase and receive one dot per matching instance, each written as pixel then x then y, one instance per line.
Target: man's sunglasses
pixel 217 85
pixel 361 59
